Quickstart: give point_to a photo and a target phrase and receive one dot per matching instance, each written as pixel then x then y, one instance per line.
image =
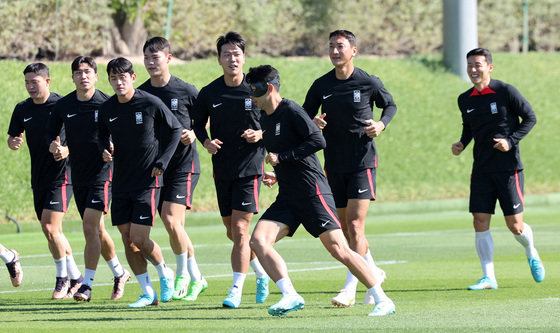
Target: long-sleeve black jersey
pixel 494 112
pixel 348 103
pixel 145 135
pixel 79 119
pixel 231 112
pixel 291 134
pixel 179 97
pixel 32 118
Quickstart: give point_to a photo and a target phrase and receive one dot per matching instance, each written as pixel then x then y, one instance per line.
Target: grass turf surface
pixel 429 258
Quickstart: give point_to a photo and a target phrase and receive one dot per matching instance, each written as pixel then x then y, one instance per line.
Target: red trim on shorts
pixel 188 199
pixel 64 201
pixel 106 196
pixel 256 191
pixel 370 181
pixel 157 181
pixel 375 161
pixel 323 202
pixel 110 174
pixel 153 204
pixel 518 188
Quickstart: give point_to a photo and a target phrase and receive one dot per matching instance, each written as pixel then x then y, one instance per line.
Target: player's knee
pixel 516 229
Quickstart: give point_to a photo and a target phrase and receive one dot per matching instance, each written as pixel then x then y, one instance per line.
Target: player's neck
pixel 41 100
pixel 233 80
pixel 344 72
pixel 160 80
pixel 272 105
pixel 126 98
pixel 481 85
pixel 85 95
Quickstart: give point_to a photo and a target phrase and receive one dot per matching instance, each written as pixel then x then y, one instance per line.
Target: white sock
pixel 73 271
pixel 61 270
pixel 7 255
pixel 181 260
pixel 257 267
pixel 163 270
pixel 526 239
pixel 88 277
pixel 378 293
pixel 146 284
pixel 351 283
pixel 194 272
pixel 115 266
pixel 238 281
pixel 369 260
pixel 485 249
pixel 286 287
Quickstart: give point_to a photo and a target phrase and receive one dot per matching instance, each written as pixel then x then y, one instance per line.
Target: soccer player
pixel 237 158
pixel 183 171
pixel 304 196
pixel 145 135
pixel 49 178
pixel 91 176
pixel 11 259
pixel 347 95
pixel 491 112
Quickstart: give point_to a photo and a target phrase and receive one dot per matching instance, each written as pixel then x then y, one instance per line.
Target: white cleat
pixel 383 308
pixel 344 299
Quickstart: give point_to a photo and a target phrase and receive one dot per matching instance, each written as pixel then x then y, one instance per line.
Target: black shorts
pixel 138 207
pixel 317 214
pixel 507 187
pixel 240 194
pixel 355 185
pixel 179 190
pixel 55 198
pixel 96 197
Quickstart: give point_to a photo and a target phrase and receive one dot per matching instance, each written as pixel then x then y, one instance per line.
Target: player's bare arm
pixel 375 128
pixel 14 142
pixel 212 146
pixel 252 136
pixel 188 137
pixel 501 144
pixel 457 148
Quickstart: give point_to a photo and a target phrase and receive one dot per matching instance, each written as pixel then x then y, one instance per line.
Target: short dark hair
pixel 156 44
pixel 120 65
pixel 481 52
pixel 346 34
pixel 84 60
pixel 37 68
pixel 264 73
pixel 230 37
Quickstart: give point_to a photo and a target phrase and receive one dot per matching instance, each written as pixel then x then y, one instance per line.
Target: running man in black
pixel 237 158
pixel 491 112
pixel 50 179
pixel 347 96
pixel 304 196
pixel 91 176
pixel 145 135
pixel 183 171
pixel 11 258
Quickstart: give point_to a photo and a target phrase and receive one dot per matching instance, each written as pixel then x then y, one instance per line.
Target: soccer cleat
pixel 380 277
pixel 15 270
pixel 83 294
pixel 74 286
pixel 167 288
pixel 262 289
pixel 118 286
pixel 383 308
pixel 344 299
pixel 61 288
pixel 196 288
pixel 537 269
pixel 287 303
pixel 232 300
pixel 144 300
pixel 484 283
pixel 181 286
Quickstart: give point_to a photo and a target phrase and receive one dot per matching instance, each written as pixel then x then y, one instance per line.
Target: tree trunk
pixel 127 36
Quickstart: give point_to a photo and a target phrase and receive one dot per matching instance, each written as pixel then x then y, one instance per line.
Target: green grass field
pixel 426 248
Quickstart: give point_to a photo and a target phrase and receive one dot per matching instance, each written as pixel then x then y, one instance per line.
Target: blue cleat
pixel 287 303
pixel 167 288
pixel 232 300
pixel 537 269
pixel 144 300
pixel 383 308
pixel 262 289
pixel 484 283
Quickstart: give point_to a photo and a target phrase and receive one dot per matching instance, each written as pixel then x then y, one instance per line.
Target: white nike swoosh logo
pixel 95 201
pixel 180 196
pixel 515 206
pixel 27 119
pixel 324 223
pixel 362 191
pixel 112 119
pixel 53 202
pixel 216 105
pixel 326 96
pixel 144 217
pixel 470 110
pixel 71 115
pixel 245 203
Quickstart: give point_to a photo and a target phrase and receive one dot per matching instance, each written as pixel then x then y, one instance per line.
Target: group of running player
pixel 138 149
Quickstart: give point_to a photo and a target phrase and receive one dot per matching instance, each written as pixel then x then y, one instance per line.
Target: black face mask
pixel 258 89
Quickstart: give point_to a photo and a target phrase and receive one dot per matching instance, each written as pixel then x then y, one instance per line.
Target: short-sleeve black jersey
pixel 291 134
pixel 79 119
pixel 179 97
pixel 231 112
pixel 348 104
pixel 494 112
pixel 32 119
pixel 145 135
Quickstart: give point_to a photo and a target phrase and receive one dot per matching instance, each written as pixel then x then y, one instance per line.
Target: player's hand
pixel 156 172
pixel 375 128
pixel 107 156
pixel 501 144
pixel 272 159
pixel 212 145
pixel 61 153
pixel 320 122
pixel 14 142
pixel 188 137
pixel 252 135
pixel 269 178
pixel 111 147
pixel 457 148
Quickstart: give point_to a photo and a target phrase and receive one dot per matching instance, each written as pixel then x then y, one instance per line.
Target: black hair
pixel 346 34
pixel 230 37
pixel 481 52
pixel 84 60
pixel 37 68
pixel 264 74
pixel 156 44
pixel 120 65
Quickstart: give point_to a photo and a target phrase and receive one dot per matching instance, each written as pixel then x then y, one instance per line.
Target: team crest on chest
pixel 357 96
pixel 95 115
pixel 248 104
pixel 174 104
pixel 139 119
pixel 277 131
pixel 493 108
